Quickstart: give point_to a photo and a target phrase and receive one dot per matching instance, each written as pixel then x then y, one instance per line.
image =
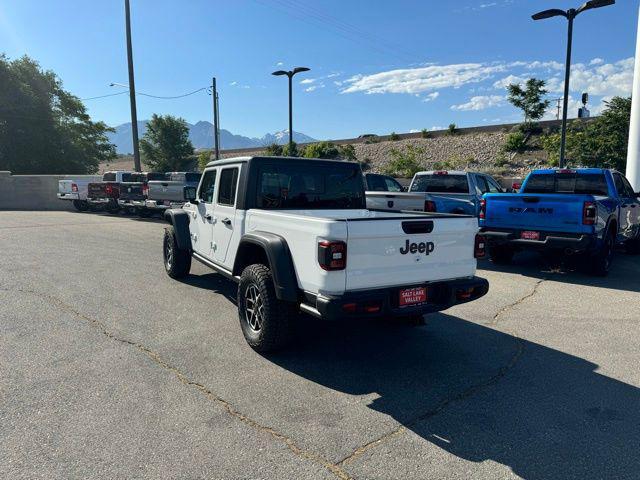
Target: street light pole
pixel 290 74
pixel 132 91
pixel 570 15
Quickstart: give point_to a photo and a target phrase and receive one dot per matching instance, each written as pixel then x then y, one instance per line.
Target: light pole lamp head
pixel 554 12
pixel 591 4
pixel 300 69
pixel 277 73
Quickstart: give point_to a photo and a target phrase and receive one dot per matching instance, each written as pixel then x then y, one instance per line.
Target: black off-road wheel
pixel 177 263
pixel 601 260
pixel 144 212
pixel 500 254
pixel 267 322
pixel 112 207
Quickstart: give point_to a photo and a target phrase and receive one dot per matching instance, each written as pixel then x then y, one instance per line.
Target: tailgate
pixel 131 191
pixel 65 186
pixel 537 212
pixel 169 191
pixel 395 201
pixel 396 251
pixel 95 190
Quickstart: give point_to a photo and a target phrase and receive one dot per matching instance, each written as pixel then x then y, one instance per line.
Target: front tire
pixel 177 263
pixel 80 205
pixel 266 322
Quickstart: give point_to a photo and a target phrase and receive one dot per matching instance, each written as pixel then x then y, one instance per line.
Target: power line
pixel 103 96
pixel 149 95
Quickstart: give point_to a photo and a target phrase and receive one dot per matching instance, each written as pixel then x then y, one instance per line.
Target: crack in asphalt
pixel 505 309
pixel 227 406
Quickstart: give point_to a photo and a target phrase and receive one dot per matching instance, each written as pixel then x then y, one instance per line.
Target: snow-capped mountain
pixel 201 135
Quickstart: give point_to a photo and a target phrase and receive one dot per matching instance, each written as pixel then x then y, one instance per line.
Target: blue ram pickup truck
pixel 586 211
pixel 453 191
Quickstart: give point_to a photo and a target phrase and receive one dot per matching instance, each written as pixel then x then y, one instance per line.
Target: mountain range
pixel 201 135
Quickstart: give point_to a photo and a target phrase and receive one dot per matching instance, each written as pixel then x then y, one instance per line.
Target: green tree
pixel 166 146
pixel 43 128
pixel 290 150
pixel 453 129
pixel 404 163
pixel 600 142
pixel 348 153
pixel 273 150
pixel 515 142
pixel 322 150
pixel 529 99
pixel 204 157
pixel 394 137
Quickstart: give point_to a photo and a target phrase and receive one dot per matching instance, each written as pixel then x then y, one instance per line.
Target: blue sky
pixel 376 66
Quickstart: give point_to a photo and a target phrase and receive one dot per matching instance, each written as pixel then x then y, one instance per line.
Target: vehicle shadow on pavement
pixel 624 274
pixel 213 282
pixel 477 393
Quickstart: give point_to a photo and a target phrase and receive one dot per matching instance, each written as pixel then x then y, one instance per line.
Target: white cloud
pixel 279 64
pixel 480 102
pixel 311 88
pixel 431 96
pixel 600 79
pixel 506 81
pixel 596 61
pixel 233 84
pixel 307 81
pixel 414 130
pixel 435 128
pixel 545 65
pixel 422 79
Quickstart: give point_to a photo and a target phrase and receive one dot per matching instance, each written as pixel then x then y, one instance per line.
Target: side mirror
pixel 189 194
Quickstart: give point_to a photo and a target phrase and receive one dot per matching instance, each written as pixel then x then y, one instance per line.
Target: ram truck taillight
pixel 482 214
pixel 145 190
pixel 589 213
pixel 480 247
pixel 332 255
pixel 74 188
pixel 429 206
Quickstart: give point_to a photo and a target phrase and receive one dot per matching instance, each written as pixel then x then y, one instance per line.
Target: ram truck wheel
pixel 144 212
pixel 177 263
pixel 80 205
pixel 601 260
pixel 501 255
pixel 266 322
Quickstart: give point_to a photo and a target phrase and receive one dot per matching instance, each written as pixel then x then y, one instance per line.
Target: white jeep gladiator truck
pixel 295 234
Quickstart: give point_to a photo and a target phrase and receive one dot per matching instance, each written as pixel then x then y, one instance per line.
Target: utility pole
pixel 132 91
pixel 216 119
pixel 633 151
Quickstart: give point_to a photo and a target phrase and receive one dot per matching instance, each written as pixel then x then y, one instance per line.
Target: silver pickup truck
pixel 386 193
pixel 169 193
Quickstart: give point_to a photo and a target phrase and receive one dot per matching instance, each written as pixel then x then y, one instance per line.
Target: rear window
pixel 154 176
pixel 310 186
pixel 440 184
pixel 580 183
pixel 131 177
pixel 192 177
pixel 109 177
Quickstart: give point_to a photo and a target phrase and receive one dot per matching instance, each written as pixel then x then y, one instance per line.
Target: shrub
pixel 394 137
pixel 348 152
pixel 204 157
pixel 273 150
pixel 453 129
pixel 515 142
pixel 405 163
pixel 291 150
pixel 322 150
pixel 425 133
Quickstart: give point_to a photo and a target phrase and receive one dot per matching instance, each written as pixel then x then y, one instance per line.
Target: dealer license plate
pixel 413 296
pixel 528 235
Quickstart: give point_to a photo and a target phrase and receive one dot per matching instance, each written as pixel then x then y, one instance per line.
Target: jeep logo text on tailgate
pixel 422 247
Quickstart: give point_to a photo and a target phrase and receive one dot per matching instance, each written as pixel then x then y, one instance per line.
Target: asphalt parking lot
pixel 110 369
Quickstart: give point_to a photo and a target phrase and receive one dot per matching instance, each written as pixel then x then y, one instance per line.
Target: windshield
pixel 580 183
pixel 310 186
pixel 439 183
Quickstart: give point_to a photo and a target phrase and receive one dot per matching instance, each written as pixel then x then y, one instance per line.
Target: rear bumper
pixel 68 196
pixel 549 240
pixel 440 296
pixel 155 204
pixel 131 203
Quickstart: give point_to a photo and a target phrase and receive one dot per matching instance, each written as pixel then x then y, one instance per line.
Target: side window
pixel 392 185
pixel 482 184
pixel 227 187
pixel 620 187
pixel 375 183
pixel 205 193
pixel 628 188
pixel 493 185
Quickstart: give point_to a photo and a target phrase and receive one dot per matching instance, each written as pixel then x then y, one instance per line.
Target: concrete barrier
pixel 34 192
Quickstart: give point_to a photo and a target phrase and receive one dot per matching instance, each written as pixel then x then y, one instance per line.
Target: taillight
pixel 565 171
pixel 480 247
pixel 145 190
pixel 441 172
pixel 74 188
pixel 332 255
pixel 429 206
pixel 108 189
pixel 483 209
pixel 589 213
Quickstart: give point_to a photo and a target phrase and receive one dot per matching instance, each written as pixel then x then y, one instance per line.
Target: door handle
pixel 227 222
pixel 208 216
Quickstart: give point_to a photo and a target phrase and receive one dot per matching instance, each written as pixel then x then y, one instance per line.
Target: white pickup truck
pixel 295 234
pixel 75 190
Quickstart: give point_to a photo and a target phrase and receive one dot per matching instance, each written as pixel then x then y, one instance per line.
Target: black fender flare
pixel 180 221
pixel 280 262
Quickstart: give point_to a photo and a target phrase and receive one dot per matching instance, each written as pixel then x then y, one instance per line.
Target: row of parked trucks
pixel 141 193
